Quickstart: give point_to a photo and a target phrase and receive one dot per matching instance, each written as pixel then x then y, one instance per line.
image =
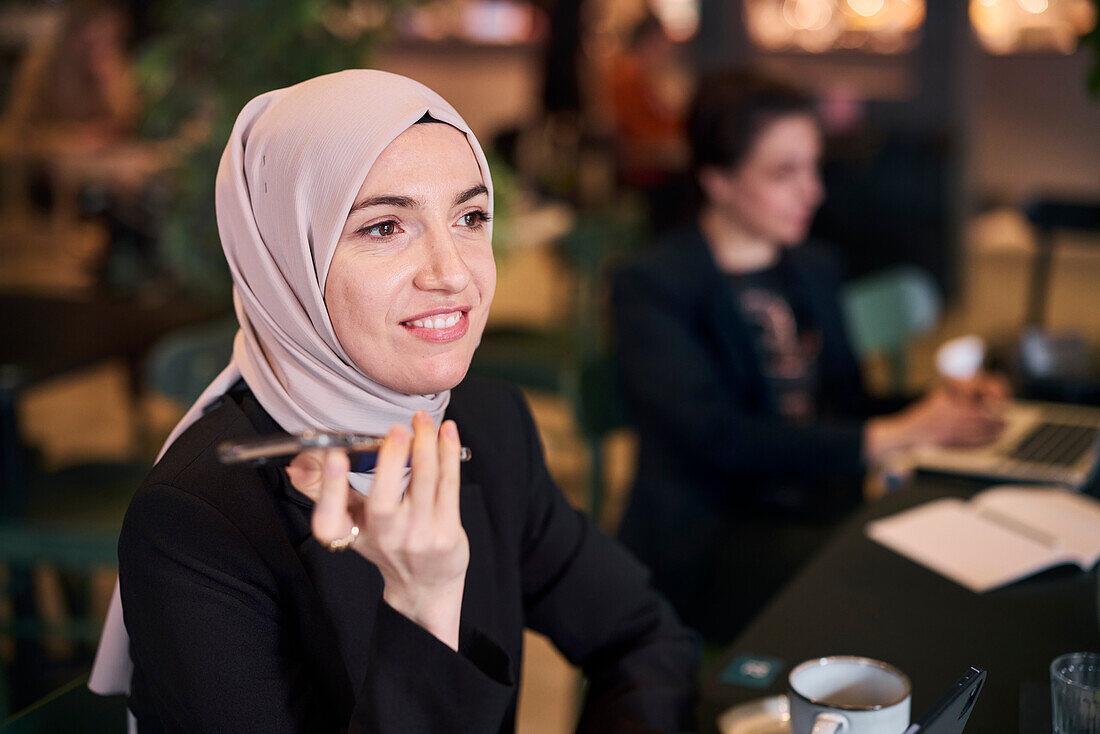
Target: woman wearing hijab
pixel 355 213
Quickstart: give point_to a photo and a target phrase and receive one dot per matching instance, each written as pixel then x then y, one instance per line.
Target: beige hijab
pixel 287 180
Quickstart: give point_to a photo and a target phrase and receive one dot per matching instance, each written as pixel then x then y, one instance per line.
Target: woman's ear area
pixel 714 181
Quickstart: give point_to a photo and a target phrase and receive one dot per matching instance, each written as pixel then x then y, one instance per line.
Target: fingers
pixel 331 519
pixel 418 544
pixel 966 392
pixel 305 472
pixel 988 390
pixel 389 472
pixel 388 514
pixel 447 500
pixel 425 468
pixel 987 428
pixel 974 426
pixel 995 388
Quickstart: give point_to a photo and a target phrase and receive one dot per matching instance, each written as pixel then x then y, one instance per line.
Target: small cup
pixel 961 358
pixel 848 694
pixel 1075 693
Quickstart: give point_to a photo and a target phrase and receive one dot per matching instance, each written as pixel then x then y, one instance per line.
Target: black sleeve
pixel 415 683
pixel 218 653
pixel 676 388
pixel 593 600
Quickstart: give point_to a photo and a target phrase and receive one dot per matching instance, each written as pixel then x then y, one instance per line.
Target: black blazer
pixel 706 418
pixel 240 621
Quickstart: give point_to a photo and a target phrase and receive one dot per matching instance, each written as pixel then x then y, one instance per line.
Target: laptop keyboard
pixel 1057 444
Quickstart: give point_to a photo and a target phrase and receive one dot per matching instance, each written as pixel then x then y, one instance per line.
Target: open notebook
pixel 998 536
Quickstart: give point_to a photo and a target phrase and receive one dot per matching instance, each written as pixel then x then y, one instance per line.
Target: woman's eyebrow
pixel 405 202
pixel 471 193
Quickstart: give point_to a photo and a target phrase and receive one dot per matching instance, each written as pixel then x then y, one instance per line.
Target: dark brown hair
pixel 730 110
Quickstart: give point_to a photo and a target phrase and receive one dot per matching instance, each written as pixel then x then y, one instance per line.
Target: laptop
pixel 1045 443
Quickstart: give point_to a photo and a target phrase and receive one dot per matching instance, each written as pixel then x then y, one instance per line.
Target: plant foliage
pixel 210 59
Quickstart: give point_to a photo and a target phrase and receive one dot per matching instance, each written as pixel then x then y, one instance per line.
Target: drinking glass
pixel 1075 693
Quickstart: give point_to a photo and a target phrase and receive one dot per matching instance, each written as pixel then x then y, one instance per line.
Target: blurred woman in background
pixel 754 424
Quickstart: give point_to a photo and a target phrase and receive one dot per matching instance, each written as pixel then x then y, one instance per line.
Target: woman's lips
pixel 440 327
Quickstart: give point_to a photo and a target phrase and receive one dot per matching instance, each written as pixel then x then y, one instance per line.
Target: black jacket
pixel 691 371
pixel 240 621
pixel 729 498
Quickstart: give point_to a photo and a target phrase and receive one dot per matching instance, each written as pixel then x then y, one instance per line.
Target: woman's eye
pixel 382 229
pixel 474 219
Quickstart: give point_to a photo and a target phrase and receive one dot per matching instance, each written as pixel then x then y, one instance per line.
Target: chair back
pixel 886 310
pixel 184 362
pixel 56 578
pixel 64 541
pixel 599 408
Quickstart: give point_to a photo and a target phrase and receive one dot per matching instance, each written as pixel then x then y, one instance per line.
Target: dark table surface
pixel 859 598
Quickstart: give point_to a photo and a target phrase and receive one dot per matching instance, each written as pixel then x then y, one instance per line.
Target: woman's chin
pixel 430 382
pixel 793 237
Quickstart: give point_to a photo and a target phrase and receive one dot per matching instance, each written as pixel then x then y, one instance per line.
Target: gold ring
pixel 342 544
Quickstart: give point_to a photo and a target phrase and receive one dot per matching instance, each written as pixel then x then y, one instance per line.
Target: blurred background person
pixel 755 428
pixel 77 174
pixel 648 95
pixel 78 85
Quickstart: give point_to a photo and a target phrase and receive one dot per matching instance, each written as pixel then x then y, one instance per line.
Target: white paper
pixel 1000 536
pixel 1071 518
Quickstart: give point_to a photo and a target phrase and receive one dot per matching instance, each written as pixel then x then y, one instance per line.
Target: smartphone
pixel 361 449
pixel 950 714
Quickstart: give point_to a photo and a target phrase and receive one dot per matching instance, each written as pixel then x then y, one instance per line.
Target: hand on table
pixel 946 417
pixel 956 414
pixel 414 537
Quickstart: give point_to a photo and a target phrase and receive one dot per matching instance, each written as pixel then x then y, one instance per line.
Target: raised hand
pixel 415 535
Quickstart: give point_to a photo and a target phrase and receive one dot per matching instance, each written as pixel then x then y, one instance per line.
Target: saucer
pixel 769 715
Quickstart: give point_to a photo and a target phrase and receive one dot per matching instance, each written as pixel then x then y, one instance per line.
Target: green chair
pixel 886 310
pixel 70 556
pixel 58 552
pixel 69 524
pixel 184 362
pixel 599 409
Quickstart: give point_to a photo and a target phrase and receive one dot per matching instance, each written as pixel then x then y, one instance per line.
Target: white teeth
pixel 439 322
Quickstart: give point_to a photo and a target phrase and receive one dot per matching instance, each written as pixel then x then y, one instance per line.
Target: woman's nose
pixel 443 268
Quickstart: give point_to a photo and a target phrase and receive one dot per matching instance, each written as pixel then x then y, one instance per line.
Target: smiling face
pixel 410 283
pixel 772 195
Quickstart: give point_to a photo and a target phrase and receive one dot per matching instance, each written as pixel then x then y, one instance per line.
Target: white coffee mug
pixel 848 694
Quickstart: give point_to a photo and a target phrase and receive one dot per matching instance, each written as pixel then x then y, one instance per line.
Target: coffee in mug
pixel 848 694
